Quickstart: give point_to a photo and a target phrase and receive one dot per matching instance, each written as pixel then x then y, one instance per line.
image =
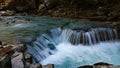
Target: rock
pixel 28 58
pixel 5 62
pixel 6 50
pixel 0 42
pixel 48 66
pixel 115 66
pixel 113 16
pixel 35 66
pixel 50 3
pixel 51 46
pixel 17 60
pixel 87 66
pixel 100 65
pixel 41 7
pixel 7 13
pixel 17 47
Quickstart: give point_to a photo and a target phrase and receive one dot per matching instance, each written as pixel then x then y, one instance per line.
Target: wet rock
pixel 35 66
pixel 48 66
pixel 28 58
pixel 5 62
pixel 51 46
pixel 87 66
pixel 8 20
pixel 17 47
pixel 14 19
pixel 100 65
pixel 6 50
pixel 7 13
pixel 17 60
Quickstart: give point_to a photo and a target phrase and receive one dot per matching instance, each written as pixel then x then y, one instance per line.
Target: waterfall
pixel 44 46
pixel 51 43
pixel 93 36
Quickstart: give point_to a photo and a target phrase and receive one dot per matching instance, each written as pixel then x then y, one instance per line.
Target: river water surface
pixel 29 28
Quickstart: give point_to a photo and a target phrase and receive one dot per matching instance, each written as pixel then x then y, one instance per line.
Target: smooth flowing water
pixel 63 42
pixel 27 28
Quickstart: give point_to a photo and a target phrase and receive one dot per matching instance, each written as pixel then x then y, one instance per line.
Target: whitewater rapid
pixel 73 56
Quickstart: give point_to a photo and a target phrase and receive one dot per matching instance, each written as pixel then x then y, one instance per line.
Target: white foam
pixel 85 55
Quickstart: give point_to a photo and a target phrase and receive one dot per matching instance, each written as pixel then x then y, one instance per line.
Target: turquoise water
pixel 68 55
pixel 71 56
pixel 27 28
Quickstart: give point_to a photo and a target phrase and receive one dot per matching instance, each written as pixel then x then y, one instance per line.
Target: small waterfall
pixel 46 44
pixel 93 36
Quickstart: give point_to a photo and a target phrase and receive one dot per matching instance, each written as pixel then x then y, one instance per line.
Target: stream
pixel 55 40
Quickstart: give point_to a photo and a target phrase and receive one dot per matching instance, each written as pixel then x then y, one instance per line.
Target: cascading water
pixel 66 48
pixel 94 35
